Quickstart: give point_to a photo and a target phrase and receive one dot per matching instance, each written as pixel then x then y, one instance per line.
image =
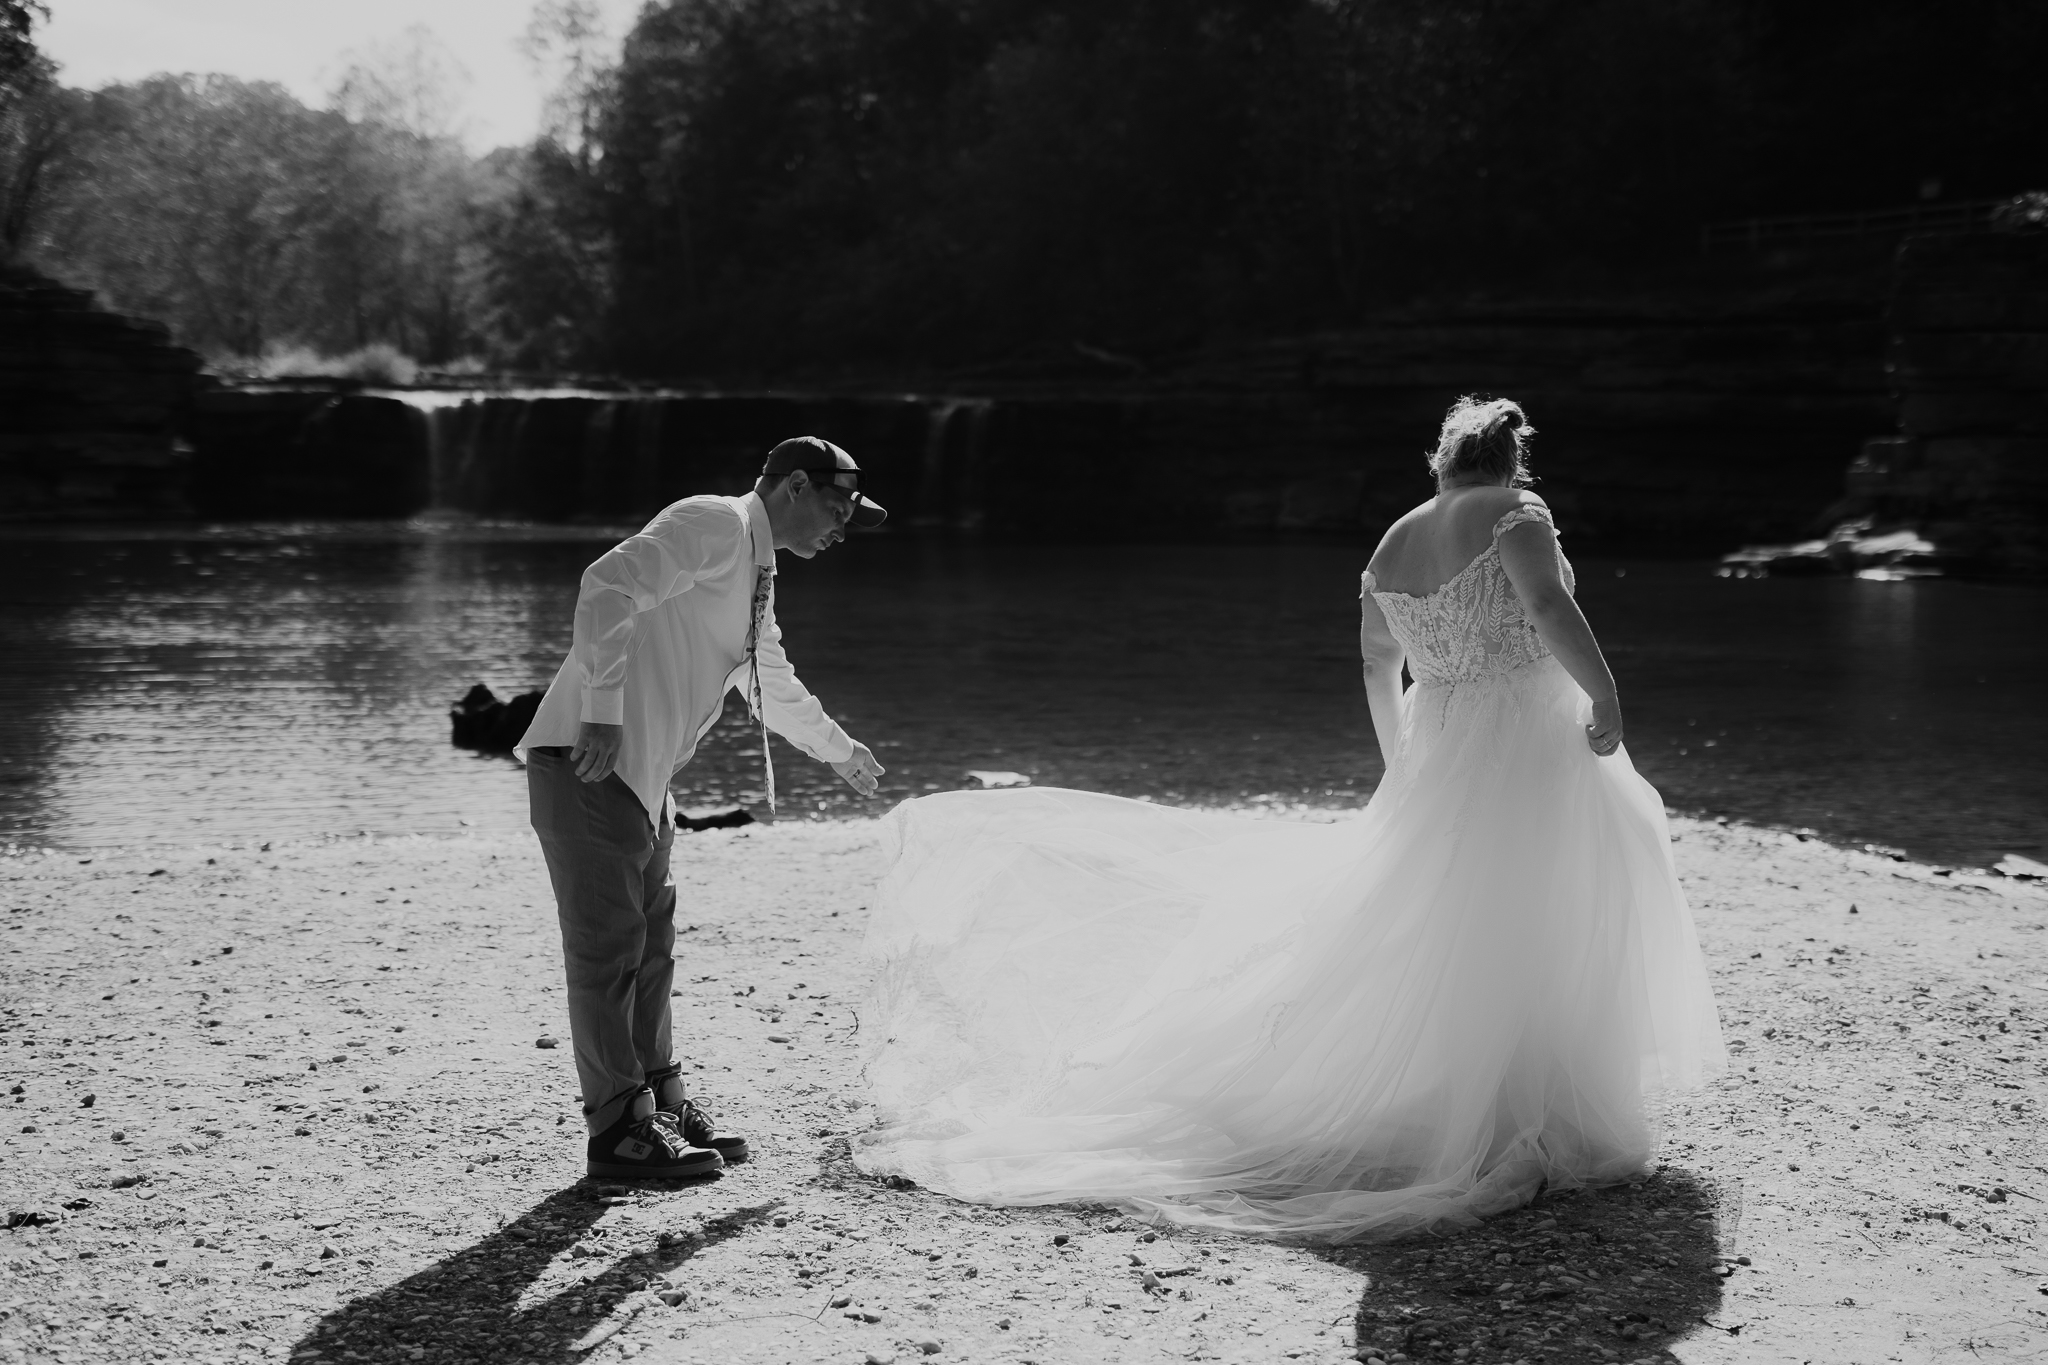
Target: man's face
pixel 818 515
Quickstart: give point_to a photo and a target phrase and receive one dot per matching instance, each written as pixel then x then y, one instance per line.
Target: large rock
pixel 1968 361
pixel 91 408
pixel 483 722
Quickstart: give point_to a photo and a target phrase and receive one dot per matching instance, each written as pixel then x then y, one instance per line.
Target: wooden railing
pixel 1970 215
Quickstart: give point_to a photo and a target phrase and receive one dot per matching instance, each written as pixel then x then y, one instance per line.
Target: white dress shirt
pixel 661 634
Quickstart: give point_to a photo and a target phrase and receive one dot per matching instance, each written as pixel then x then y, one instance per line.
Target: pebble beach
pixel 313 1102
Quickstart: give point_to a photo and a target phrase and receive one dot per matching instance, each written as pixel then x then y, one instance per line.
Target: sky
pixel 302 45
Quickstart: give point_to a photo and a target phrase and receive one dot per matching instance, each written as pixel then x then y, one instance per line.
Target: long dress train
pixel 1416 1016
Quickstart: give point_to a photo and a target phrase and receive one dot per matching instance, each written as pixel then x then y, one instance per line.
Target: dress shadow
pixel 466 1307
pixel 1628 1270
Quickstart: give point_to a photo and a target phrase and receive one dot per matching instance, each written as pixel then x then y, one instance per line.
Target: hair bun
pixel 1483 436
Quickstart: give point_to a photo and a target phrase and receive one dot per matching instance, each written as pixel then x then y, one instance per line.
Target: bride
pixel 1413 1017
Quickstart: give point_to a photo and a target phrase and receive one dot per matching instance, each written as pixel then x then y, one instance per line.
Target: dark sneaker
pixel 689 1122
pixel 648 1148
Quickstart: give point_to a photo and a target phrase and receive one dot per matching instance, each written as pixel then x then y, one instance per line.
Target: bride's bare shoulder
pixel 1500 500
pixel 1480 511
pixel 1398 535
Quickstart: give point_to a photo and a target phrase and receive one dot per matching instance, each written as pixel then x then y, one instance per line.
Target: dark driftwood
pixel 718 819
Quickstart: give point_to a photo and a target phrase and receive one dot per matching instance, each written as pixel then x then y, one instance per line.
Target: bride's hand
pixel 1603 736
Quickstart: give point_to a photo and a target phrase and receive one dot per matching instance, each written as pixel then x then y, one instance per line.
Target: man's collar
pixel 761 529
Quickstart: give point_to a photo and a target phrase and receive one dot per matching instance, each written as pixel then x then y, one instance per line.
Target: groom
pixel 667 622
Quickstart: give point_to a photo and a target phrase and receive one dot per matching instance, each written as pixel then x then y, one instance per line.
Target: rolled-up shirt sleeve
pixel 788 706
pixel 638 574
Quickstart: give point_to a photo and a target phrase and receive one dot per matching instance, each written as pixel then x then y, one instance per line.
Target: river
pixel 188 684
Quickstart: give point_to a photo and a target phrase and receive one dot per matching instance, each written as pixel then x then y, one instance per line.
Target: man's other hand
pixel 597 750
pixel 860 771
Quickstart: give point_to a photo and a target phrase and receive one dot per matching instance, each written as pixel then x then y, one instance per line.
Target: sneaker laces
pixel 691 1123
pixel 661 1134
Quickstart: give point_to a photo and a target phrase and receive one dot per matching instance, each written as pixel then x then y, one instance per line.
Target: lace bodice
pixel 1472 626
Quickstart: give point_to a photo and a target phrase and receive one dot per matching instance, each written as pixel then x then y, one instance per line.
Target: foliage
pixel 36 118
pixel 258 227
pixel 33 122
pixel 549 268
pixel 545 233
pixel 17 50
pixel 568 43
pixel 799 182
pixel 243 218
pixel 805 178
pixel 206 202
pixel 757 186
pixel 379 363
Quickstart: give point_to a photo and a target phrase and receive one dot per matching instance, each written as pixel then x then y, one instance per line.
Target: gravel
pixel 342 1143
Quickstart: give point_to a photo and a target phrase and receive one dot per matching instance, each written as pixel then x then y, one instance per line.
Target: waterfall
pixel 949 485
pixel 435 417
pixel 646 467
pixel 596 490
pixel 931 490
pixel 577 455
pixel 971 513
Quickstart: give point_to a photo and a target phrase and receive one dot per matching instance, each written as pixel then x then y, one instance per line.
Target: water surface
pixel 234 684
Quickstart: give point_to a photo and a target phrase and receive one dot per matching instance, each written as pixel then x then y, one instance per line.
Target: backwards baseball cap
pixel 824 461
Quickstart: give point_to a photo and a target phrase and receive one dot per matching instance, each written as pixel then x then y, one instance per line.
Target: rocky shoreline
pixel 286 1103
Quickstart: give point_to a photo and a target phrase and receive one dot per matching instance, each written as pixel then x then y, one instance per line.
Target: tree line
pixel 763 186
pixel 255 225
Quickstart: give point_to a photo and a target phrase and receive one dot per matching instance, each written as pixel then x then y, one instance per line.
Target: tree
pixel 35 128
pixel 410 268
pixel 202 201
pixel 17 51
pixel 549 263
pixel 806 182
pixel 34 121
pixel 413 85
pixel 248 221
pixel 572 51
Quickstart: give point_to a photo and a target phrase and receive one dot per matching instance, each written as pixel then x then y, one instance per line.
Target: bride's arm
pixel 1529 554
pixel 1382 654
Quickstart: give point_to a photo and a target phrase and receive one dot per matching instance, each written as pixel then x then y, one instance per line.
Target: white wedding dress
pixel 1413 1017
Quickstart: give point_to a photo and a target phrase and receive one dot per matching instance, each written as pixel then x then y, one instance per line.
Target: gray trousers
pixel 616 902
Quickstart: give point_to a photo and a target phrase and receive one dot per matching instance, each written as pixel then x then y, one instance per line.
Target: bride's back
pixel 1434 543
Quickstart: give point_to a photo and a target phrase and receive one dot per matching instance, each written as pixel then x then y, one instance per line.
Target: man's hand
pixel 597 750
pixel 860 771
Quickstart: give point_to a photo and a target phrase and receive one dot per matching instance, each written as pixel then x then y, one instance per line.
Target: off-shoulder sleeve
pixel 1528 511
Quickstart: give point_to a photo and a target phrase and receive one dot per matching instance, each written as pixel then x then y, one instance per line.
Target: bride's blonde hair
pixel 1483 436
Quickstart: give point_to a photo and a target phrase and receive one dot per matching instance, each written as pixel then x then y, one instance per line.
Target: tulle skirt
pixel 1416 1016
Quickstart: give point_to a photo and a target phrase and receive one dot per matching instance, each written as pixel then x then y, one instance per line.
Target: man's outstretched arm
pixel 792 712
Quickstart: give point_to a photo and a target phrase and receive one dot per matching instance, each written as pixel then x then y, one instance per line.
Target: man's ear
pixel 798 481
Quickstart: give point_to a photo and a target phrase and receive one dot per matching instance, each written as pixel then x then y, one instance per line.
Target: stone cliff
pixel 91 406
pixel 1968 363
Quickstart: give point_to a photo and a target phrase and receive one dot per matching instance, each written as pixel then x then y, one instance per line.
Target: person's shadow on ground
pixel 467 1306
pixel 1611 1274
